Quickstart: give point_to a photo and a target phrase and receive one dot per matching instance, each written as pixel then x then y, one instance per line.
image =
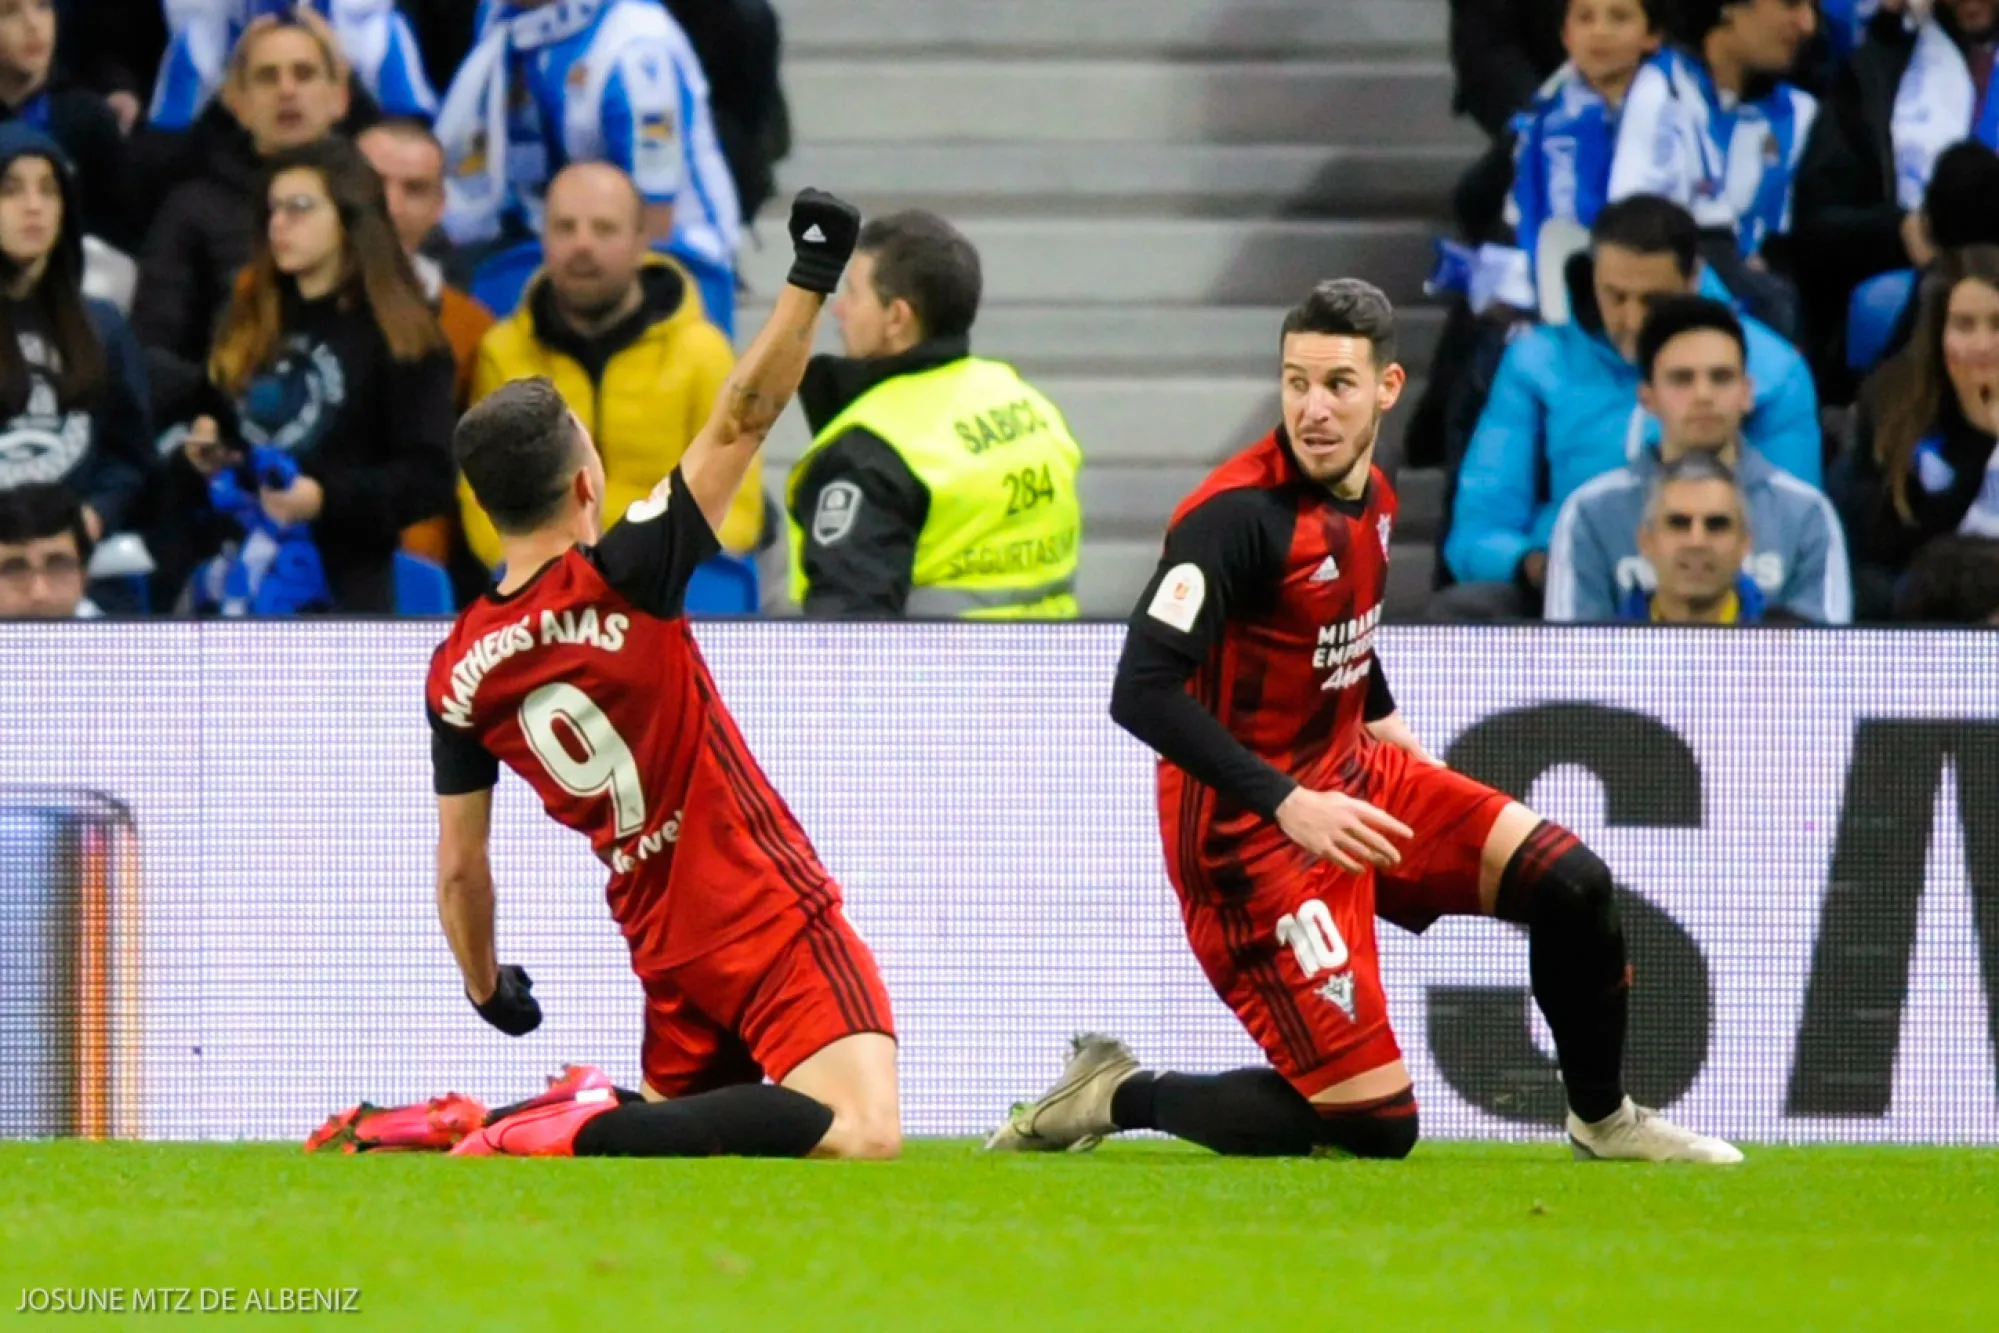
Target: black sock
pixel 1563 893
pixel 753 1120
pixel 1243 1113
pixel 1383 1129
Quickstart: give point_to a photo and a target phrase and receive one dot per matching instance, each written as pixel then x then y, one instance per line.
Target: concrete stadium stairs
pixel 1150 183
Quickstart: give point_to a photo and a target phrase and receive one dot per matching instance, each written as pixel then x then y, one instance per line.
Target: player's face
pixel 288 96
pixel 869 326
pixel 1696 540
pixel 1699 391
pixel 1607 38
pixel 1976 17
pixel 1627 283
pixel 305 226
pixel 593 239
pixel 40 579
pixel 1971 345
pixel 30 209
pixel 1333 398
pixel 412 172
pixel 1768 33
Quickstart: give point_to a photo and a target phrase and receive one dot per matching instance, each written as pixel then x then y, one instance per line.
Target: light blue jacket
pixel 1797 556
pixel 1563 410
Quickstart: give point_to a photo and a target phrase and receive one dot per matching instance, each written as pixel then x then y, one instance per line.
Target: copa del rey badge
pixel 1385 527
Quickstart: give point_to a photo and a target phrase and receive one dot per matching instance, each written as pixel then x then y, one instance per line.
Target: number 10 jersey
pixel 587 682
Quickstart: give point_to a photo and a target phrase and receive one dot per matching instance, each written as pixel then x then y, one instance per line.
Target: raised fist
pixel 824 228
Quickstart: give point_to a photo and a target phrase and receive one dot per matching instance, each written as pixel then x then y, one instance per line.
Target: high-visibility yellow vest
pixel 1005 521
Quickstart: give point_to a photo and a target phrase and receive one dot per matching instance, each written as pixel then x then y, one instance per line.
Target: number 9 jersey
pixel 586 682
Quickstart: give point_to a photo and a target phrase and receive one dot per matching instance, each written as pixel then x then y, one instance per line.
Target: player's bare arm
pixel 465 889
pixel 465 909
pixel 823 232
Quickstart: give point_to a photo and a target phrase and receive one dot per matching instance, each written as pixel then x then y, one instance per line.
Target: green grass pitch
pixel 1146 1237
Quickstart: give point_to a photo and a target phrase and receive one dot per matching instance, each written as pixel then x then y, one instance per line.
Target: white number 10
pixel 607 764
pixel 1314 937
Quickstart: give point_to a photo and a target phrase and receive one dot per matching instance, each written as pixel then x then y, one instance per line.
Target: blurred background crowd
pixel 1712 329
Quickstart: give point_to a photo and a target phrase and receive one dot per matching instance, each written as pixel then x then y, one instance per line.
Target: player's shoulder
pixel 1254 484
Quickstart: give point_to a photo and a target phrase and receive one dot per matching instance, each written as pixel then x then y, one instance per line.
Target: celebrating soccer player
pixel 1295 804
pixel 579 673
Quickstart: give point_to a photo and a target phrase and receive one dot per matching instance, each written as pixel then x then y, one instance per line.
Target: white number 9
pixel 607 764
pixel 1314 937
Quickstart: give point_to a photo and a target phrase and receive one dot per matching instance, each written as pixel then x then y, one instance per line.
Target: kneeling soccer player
pixel 1286 778
pixel 579 672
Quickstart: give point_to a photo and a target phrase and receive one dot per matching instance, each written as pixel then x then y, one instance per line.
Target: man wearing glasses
pixel 1702 527
pixel 44 549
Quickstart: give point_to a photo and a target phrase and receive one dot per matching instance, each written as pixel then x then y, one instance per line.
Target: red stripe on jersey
pixel 1239 937
pixel 800 875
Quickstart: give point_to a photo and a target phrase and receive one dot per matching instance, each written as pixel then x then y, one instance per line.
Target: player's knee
pixel 1387 1130
pixel 1395 1136
pixel 1578 886
pixel 864 1138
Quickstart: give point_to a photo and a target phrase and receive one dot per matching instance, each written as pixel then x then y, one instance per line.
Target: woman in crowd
pixel 72 379
pixel 1924 497
pixel 337 371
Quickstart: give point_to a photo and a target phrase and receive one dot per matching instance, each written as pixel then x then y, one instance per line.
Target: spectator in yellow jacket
pixel 623 334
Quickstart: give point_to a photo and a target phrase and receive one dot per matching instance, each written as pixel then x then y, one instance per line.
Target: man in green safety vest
pixel 937 483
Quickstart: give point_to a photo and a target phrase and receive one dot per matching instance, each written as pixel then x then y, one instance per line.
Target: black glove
pixel 823 230
pixel 511 1009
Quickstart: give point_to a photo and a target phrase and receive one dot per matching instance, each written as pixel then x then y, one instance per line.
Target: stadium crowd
pixel 1723 340
pixel 1824 175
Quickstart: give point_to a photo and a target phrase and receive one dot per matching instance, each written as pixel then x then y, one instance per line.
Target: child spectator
pixel 72 380
pixel 332 357
pixel 1566 141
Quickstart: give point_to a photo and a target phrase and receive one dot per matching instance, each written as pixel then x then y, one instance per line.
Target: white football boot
pixel 1075 1114
pixel 1632 1133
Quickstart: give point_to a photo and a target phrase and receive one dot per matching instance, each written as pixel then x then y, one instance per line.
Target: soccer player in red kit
pixel 578 671
pixel 1295 805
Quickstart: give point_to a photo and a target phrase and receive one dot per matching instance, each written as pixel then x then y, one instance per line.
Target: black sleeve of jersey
pixel 859 554
pixel 1380 702
pixel 653 552
pixel 1222 559
pixel 459 765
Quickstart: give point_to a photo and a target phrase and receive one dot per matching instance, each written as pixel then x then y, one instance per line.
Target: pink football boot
pixel 545 1126
pixel 432 1126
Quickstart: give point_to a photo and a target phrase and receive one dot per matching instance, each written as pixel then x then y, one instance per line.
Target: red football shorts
pixel 1296 957
pixel 761 1005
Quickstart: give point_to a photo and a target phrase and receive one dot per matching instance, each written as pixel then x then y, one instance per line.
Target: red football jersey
pixel 1270 588
pixel 587 683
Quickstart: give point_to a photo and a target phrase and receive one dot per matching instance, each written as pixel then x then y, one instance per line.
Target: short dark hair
pixel 1350 308
pixel 1962 202
pixel 1671 316
pixel 39 510
pixel 1649 225
pixel 924 260
pixel 517 449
